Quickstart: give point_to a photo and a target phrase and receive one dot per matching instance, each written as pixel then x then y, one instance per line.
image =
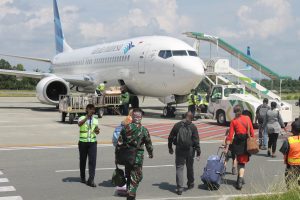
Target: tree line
pixel 12 82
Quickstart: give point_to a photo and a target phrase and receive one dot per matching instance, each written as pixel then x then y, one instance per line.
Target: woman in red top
pixel 238 134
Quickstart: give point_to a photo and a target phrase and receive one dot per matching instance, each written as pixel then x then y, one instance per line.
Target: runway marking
pixel 111 168
pixel 219 197
pixel 7 188
pixel 3 180
pixel 11 198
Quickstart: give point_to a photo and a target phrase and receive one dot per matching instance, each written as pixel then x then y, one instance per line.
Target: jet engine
pixel 174 99
pixel 49 89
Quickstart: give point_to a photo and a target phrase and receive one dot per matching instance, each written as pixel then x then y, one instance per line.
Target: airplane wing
pixel 28 58
pixel 77 80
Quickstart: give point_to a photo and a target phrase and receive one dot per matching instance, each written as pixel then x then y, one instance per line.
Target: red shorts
pixel 243 159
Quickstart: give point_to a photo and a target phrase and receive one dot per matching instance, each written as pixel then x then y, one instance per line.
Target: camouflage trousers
pixel 134 175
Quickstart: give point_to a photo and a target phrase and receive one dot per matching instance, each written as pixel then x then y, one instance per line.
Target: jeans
pixel 263 136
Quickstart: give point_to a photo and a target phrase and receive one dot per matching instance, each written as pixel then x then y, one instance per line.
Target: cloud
pixel 262 19
pixel 6 8
pixel 144 18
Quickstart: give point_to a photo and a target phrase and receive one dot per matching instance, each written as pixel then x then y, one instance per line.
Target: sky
pixel 270 27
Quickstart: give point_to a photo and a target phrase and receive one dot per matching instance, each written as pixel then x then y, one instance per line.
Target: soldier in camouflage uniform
pixel 136 136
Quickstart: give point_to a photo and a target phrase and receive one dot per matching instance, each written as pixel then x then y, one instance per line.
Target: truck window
pixel 217 93
pixel 229 91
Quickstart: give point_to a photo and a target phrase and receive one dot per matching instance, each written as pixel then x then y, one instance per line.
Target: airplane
pixel 154 66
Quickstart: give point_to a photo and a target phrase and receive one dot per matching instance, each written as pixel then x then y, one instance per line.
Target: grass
pixel 17 93
pixel 290 195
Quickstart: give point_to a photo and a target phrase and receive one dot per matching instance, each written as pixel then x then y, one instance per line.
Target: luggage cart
pixel 73 106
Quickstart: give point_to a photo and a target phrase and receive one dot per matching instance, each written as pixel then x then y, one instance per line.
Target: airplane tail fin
pixel 60 42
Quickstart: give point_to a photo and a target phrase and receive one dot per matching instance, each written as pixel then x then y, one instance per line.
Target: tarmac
pixel 39 157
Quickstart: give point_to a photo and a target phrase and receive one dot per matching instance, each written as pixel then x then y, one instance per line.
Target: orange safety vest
pixel 293 157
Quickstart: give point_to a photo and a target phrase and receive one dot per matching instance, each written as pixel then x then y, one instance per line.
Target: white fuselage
pixel 144 64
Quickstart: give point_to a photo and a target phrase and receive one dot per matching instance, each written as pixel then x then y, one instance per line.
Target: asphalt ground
pixel 39 157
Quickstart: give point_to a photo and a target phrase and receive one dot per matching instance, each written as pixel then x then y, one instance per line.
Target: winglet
pixel 61 44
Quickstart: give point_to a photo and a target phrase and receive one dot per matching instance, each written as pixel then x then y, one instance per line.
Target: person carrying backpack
pixel 261 112
pixel 184 136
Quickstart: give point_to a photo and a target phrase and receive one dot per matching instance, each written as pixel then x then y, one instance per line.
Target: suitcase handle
pixel 222 154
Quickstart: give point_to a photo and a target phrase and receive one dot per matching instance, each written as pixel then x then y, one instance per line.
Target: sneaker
pixel 239 183
pixel 269 154
pixel 234 171
pixel 83 180
pixel 263 148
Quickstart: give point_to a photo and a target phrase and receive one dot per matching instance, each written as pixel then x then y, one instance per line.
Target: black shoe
pixel 191 186
pixel 130 198
pixel 269 154
pixel 83 180
pixel 179 191
pixel 91 183
pixel 239 183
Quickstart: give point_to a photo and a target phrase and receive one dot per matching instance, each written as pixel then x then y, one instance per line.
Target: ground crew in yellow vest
pixel 192 101
pixel 204 104
pixel 125 98
pixel 88 144
pixel 291 151
pixel 100 89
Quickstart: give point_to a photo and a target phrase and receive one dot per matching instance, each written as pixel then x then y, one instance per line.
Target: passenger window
pixel 179 53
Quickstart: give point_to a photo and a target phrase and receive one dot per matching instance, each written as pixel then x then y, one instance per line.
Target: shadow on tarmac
pixel 166 186
pixel 106 184
pixel 71 179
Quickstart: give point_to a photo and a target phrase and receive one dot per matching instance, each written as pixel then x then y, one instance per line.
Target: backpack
pixel 262 113
pixel 184 137
pixel 116 135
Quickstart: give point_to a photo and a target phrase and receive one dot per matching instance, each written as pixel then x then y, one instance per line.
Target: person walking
pixel 184 135
pixel 192 101
pixel 229 155
pixel 261 112
pixel 135 136
pixel 125 98
pixel 273 124
pixel 291 151
pixel 238 134
pixel 88 144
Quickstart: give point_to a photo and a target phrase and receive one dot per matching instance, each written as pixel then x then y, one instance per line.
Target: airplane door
pixel 143 60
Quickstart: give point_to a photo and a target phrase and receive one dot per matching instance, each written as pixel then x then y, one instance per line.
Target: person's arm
pixel 172 135
pixel 285 147
pixel 229 136
pixel 281 121
pixel 256 114
pixel 120 138
pixel 82 120
pixel 148 143
pixel 265 121
pixel 196 140
pixel 251 127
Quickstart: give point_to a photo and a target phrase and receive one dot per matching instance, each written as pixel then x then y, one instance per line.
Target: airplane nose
pixel 194 70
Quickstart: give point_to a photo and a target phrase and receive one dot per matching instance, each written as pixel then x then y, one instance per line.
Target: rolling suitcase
pixel 214 171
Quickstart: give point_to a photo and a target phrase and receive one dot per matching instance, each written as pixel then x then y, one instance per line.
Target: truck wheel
pixel 63 117
pixel 100 112
pixel 71 118
pixel 221 117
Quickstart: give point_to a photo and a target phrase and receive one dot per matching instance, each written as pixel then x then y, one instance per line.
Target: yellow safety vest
pixel 293 157
pixel 87 130
pixel 190 99
pixel 101 87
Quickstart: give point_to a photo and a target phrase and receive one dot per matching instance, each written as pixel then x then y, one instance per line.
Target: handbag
pixel 252 145
pixel 118 177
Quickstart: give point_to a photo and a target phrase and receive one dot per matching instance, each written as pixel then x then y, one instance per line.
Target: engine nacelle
pixel 49 89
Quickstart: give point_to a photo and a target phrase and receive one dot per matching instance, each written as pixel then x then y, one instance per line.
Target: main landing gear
pixel 169 111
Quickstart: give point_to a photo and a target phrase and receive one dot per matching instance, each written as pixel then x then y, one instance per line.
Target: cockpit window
pixel 179 53
pixel 192 53
pixel 165 54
